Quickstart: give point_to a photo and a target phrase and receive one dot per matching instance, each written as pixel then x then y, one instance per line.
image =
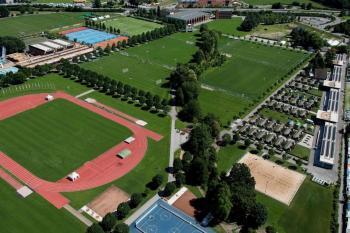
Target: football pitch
pixel 54 139
pixel 227 26
pixel 147 66
pixel 31 24
pixel 131 26
pixel 248 66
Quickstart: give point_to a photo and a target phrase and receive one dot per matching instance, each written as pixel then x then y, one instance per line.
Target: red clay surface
pixel 73 30
pixel 104 169
pixel 104 44
pixel 10 180
pixel 184 203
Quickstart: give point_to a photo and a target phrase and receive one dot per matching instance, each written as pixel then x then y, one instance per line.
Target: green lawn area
pixel 278 116
pixel 301 152
pixel 274 32
pixel 147 66
pixel 323 34
pixel 54 139
pixel 229 155
pixel 154 162
pixel 227 26
pixel 309 212
pixel 131 26
pixel 246 76
pixel 33 214
pixel 31 24
pixel 48 83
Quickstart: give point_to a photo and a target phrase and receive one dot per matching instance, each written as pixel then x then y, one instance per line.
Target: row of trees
pixel 12 44
pixel 184 79
pixel 343 27
pixel 113 87
pixel 324 62
pixel 4 12
pixel 253 19
pixel 306 39
pixel 23 75
pixel 228 198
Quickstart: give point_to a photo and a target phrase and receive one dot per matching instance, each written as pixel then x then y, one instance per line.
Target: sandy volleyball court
pixel 273 180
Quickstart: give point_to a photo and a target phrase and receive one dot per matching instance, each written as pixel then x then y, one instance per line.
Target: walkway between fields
pixel 78 215
pixel 84 93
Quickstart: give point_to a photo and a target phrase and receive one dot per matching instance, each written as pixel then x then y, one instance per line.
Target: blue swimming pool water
pixel 90 36
pixel 163 218
pixel 8 70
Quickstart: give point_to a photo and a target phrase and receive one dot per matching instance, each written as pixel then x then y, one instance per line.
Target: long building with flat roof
pixel 328 143
pixel 190 17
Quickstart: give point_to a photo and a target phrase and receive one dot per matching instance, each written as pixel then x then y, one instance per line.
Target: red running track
pixel 104 169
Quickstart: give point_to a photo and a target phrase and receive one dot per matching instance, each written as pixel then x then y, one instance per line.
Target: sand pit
pixel 273 180
pixel 108 201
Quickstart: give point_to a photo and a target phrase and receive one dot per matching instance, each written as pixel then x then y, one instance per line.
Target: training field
pixel 227 26
pixel 247 74
pixel 54 139
pixel 147 66
pixel 273 180
pixel 30 24
pixel 131 26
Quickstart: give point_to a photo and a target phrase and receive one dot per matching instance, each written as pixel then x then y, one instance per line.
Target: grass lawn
pixel 31 24
pixel 147 66
pixel 322 34
pixel 154 162
pixel 48 83
pixel 278 116
pixel 58 137
pixel 131 26
pixel 301 152
pixel 246 76
pixel 274 32
pixel 33 214
pixel 229 155
pixel 309 212
pixel 227 26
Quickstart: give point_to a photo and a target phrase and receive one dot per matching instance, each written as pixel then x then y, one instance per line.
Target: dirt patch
pixel 108 201
pixel 183 203
pixel 273 180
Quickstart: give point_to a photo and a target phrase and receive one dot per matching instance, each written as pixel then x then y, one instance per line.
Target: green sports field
pixel 147 66
pixel 154 162
pixel 33 214
pixel 227 26
pixel 44 215
pixel 309 212
pixel 249 72
pixel 32 24
pixel 131 26
pixel 58 137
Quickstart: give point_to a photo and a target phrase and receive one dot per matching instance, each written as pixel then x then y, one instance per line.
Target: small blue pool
pixel 8 70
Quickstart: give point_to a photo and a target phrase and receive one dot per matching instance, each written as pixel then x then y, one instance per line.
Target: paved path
pixel 85 93
pixel 173 115
pixel 78 215
pixel 141 210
